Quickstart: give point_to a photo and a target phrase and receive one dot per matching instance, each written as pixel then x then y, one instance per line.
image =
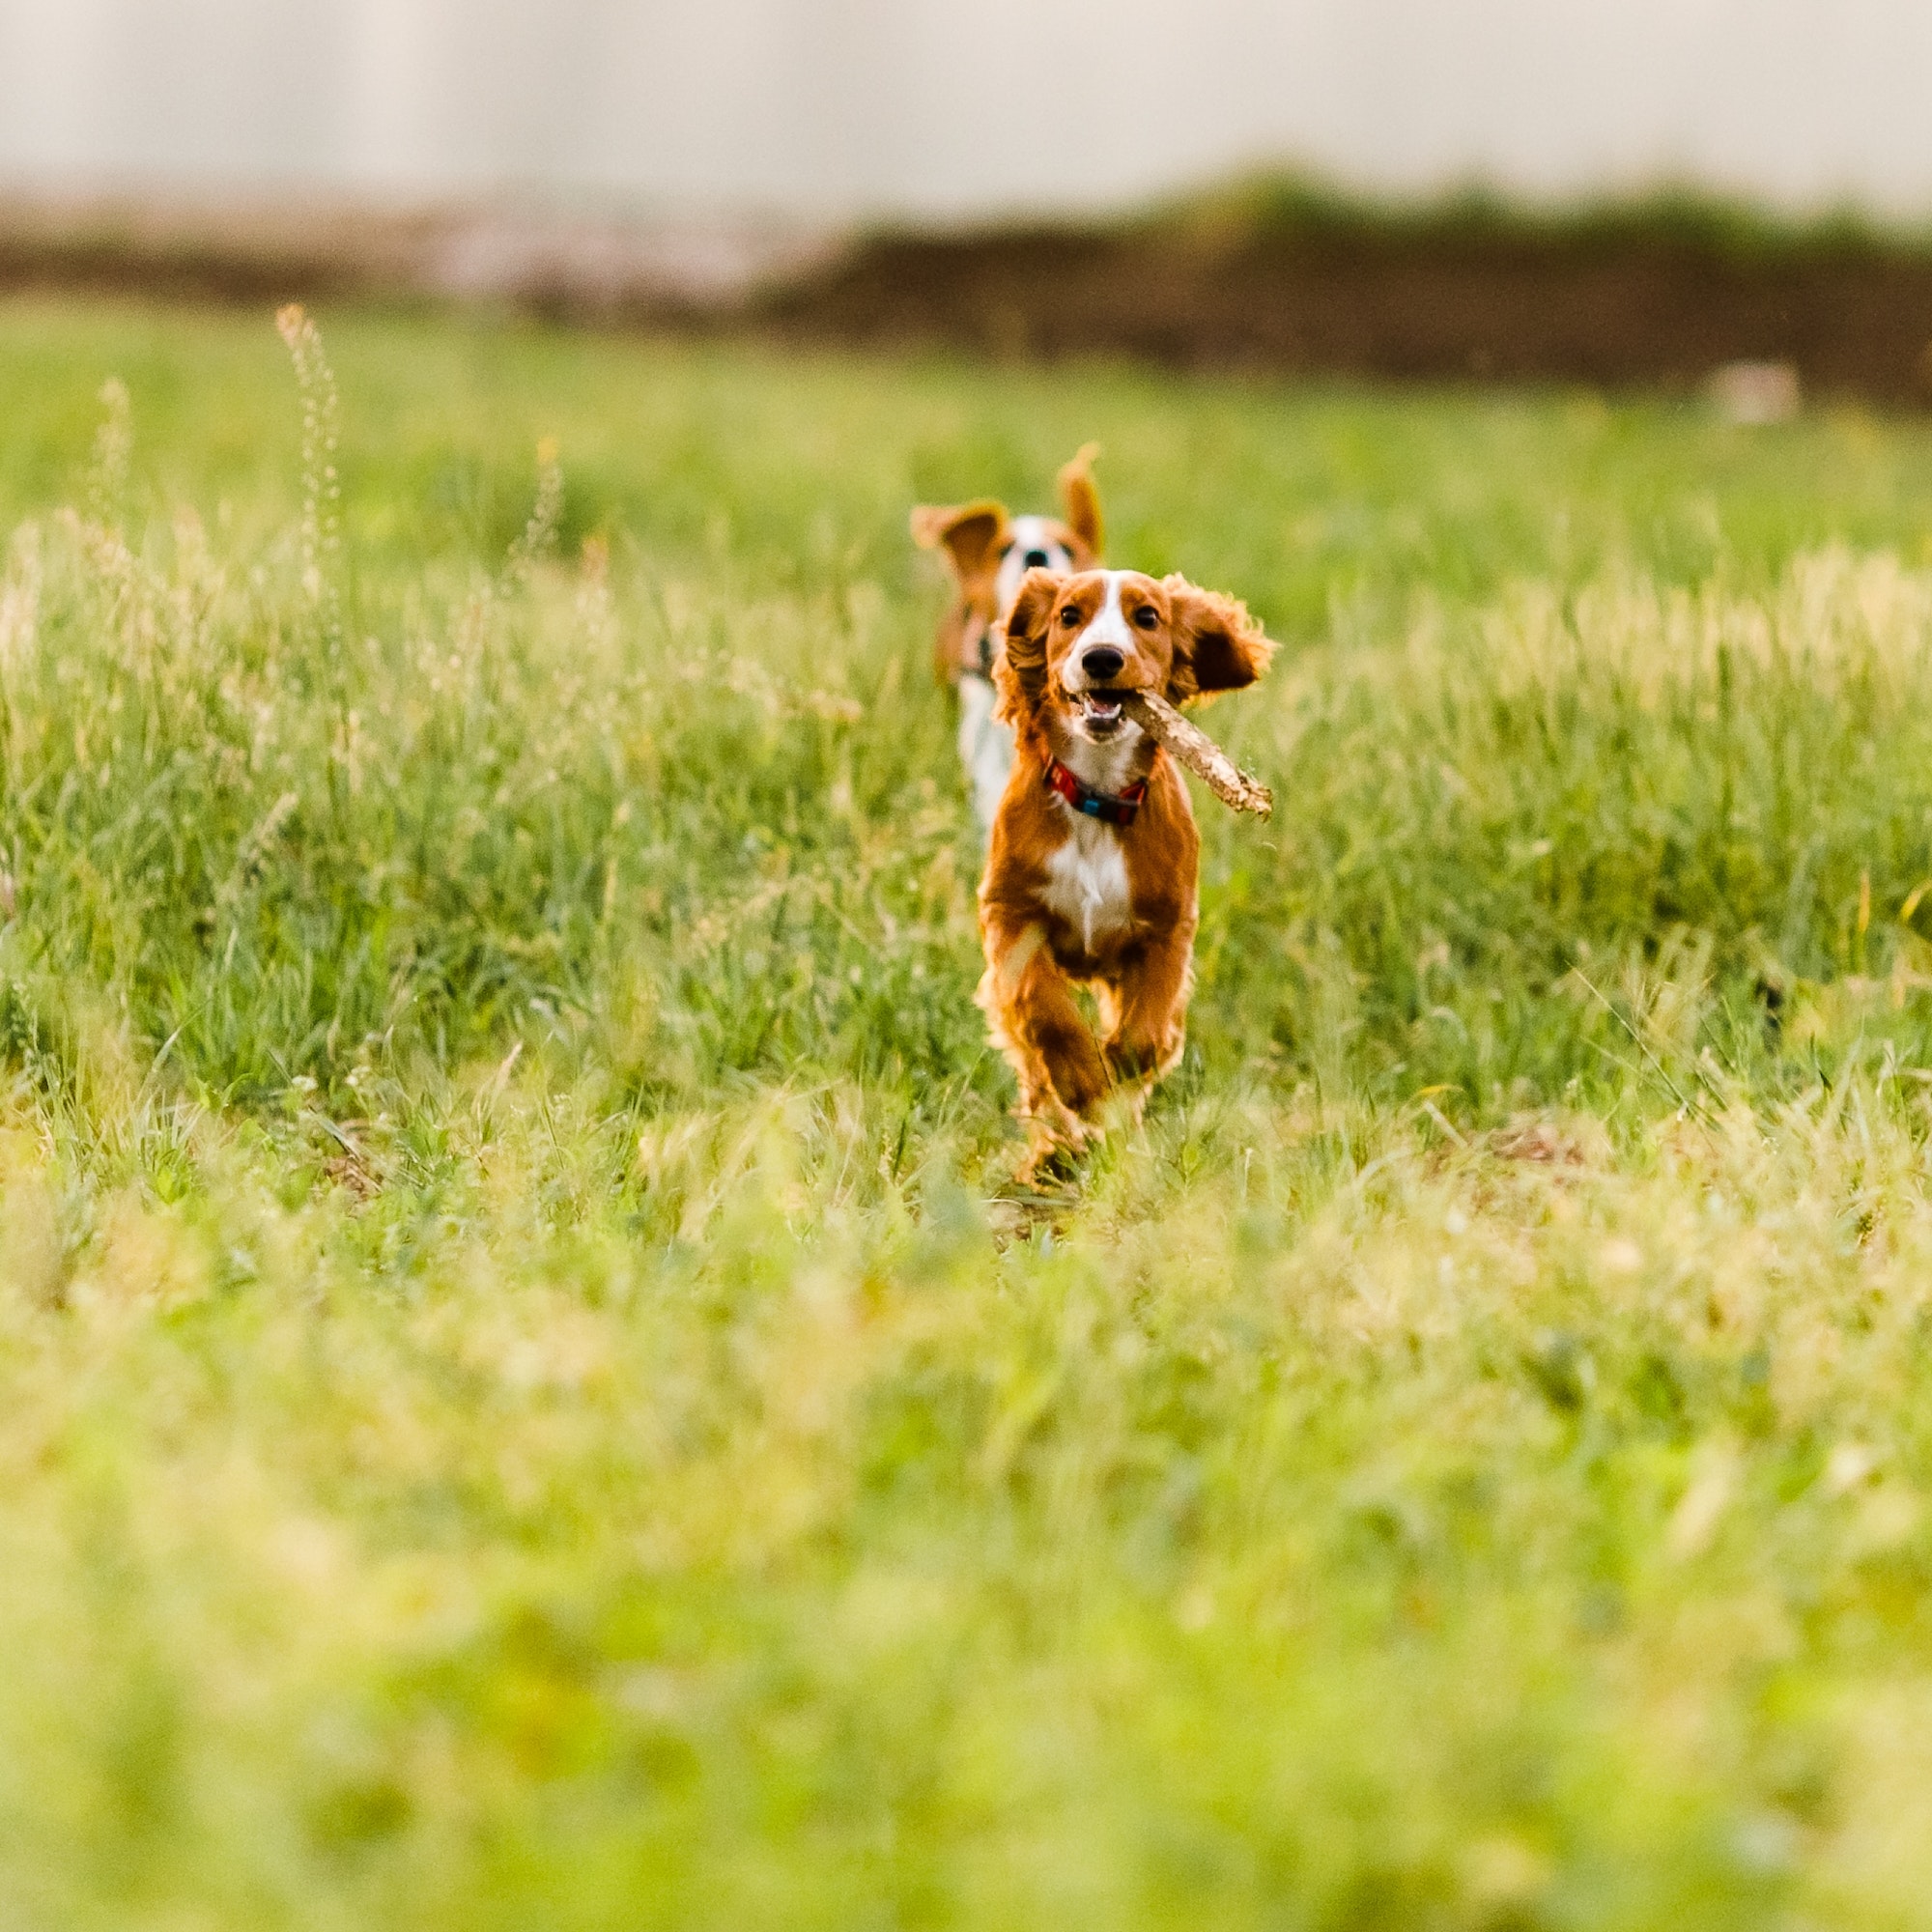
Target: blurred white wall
pixel 826 109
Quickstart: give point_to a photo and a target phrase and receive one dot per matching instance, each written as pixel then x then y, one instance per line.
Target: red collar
pixel 1105 805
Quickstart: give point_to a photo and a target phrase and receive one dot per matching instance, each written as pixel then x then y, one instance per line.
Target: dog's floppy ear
pixel 971 534
pixel 1020 668
pixel 1082 498
pixel 1217 647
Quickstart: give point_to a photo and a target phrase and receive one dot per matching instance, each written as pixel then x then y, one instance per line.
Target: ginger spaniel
pixel 1092 869
pixel 988 551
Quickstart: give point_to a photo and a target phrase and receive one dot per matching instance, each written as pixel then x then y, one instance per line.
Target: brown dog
pixel 988 551
pixel 1092 876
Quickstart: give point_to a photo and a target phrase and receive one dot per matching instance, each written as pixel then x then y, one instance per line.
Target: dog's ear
pixel 1020 668
pixel 1081 496
pixel 1217 647
pixel 971 534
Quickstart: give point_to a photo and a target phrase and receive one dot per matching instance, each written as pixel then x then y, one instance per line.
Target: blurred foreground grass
pixel 525 1397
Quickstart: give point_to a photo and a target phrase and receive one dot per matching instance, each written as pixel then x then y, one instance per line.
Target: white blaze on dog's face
pixel 1110 638
pixel 1032 542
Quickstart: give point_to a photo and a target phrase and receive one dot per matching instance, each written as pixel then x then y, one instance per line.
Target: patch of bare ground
pixel 1849 318
pixel 1640 299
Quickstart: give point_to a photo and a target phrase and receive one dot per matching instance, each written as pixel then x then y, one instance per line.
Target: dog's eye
pixel 1147 617
pixel 1069 615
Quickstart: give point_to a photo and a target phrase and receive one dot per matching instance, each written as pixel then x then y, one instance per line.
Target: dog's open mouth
pixel 1100 710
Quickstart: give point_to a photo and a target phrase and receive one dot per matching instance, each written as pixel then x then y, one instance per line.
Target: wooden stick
pixel 1199 753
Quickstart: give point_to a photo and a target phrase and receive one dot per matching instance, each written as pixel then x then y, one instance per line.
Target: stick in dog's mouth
pixel 1198 752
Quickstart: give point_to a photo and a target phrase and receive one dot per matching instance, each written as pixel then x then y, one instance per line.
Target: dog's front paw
pixel 1055 1137
pixel 1135 1062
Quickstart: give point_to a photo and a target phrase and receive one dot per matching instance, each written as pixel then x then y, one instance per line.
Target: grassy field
pixel 527 1396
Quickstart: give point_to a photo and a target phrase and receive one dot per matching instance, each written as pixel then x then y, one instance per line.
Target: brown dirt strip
pixel 1622 307
pixel 1855 320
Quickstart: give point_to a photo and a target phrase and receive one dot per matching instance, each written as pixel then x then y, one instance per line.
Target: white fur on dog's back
pixel 985 748
pixel 985 745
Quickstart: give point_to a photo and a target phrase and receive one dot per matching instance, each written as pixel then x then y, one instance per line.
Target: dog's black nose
pixel 1038 559
pixel 1102 663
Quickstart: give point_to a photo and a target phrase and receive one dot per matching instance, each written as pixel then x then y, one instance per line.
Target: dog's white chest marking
pixel 1087 881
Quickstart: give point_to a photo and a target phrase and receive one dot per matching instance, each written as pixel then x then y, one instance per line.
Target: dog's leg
pixel 1146 1014
pixel 1029 1005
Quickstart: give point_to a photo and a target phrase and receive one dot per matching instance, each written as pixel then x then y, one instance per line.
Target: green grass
pixel 527 1395
pixel 1290 207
